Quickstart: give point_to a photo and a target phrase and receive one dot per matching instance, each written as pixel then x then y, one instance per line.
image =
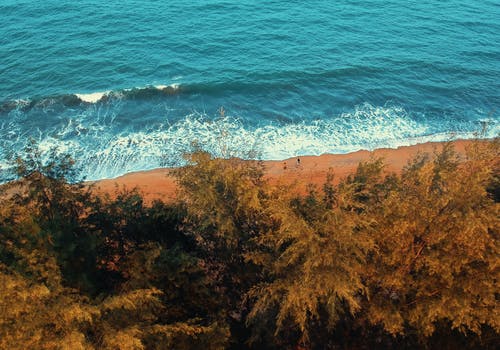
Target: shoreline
pixel 160 184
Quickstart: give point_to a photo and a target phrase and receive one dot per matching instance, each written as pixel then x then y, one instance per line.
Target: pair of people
pixel 297 163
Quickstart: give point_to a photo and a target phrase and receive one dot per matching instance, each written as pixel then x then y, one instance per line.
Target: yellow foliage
pixel 30 316
pixel 125 339
pixel 221 196
pixel 317 259
pixel 437 246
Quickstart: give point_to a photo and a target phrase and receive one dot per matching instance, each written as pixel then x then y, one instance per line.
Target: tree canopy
pixel 373 260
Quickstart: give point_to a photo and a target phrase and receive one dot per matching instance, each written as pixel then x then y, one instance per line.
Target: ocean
pixel 133 85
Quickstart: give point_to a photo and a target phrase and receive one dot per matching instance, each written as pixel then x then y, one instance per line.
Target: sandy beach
pixel 160 184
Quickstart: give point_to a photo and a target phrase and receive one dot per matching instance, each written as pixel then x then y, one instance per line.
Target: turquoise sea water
pixel 129 85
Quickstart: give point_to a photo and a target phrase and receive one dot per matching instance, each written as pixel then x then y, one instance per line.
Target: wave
pixel 136 92
pixel 242 83
pixel 73 99
pixel 104 152
pixel 92 97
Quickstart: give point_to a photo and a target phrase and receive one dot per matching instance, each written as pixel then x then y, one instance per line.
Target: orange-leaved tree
pixel 314 258
pixel 436 262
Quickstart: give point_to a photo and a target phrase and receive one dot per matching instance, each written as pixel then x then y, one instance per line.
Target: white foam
pixel 47 144
pixel 365 128
pixel 22 102
pixel 174 86
pixel 92 97
pixel 4 165
pixel 95 97
pixel 104 152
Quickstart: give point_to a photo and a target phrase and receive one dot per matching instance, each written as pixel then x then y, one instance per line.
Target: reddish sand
pixel 159 184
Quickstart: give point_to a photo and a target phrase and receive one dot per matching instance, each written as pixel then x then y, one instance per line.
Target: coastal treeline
pixel 370 261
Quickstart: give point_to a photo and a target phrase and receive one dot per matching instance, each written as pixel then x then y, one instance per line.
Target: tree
pixel 436 234
pixel 225 204
pixel 50 188
pixel 52 239
pixel 314 258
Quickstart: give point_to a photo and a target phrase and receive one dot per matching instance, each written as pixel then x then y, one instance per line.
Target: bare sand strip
pixel 160 184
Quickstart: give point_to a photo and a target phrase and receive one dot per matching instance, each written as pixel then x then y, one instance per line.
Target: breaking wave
pixel 73 99
pixel 104 151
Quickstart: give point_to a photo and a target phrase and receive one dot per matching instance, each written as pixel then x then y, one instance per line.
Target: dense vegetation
pixel 375 261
